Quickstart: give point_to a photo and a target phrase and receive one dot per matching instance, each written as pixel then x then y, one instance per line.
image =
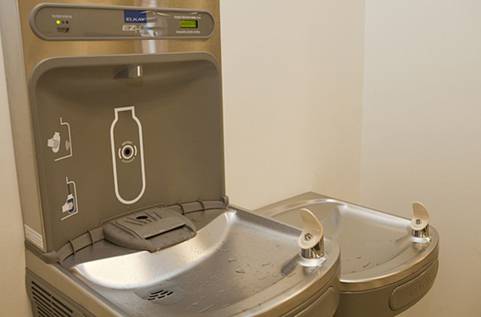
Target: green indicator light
pixel 189 24
pixel 58 22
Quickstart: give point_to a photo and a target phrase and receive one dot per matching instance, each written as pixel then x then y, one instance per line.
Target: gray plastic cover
pixel 152 230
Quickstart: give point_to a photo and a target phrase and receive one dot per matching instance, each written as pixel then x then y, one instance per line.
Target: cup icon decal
pixel 60 142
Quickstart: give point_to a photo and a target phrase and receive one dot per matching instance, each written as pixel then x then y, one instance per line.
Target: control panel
pixel 75 22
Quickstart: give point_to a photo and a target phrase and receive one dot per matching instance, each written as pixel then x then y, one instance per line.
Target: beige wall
pixel 422 132
pixel 12 268
pixel 292 98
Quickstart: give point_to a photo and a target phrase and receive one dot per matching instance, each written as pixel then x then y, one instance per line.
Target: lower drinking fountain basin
pixel 384 269
pixel 239 264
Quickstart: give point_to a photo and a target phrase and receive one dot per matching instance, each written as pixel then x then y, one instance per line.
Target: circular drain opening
pixel 160 294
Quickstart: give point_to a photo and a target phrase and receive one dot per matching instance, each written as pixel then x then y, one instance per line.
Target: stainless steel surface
pixel 239 264
pixel 377 249
pixel 59 22
pixel 36 49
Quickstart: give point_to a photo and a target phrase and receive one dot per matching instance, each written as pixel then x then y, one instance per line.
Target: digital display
pixel 135 16
pixel 189 24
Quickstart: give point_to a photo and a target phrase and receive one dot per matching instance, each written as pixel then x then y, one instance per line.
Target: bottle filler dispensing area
pixel 121 174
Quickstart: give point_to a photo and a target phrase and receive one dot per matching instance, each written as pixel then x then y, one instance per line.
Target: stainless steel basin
pixel 378 254
pixel 238 264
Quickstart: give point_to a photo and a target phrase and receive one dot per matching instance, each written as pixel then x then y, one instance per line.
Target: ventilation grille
pixel 160 294
pixel 47 305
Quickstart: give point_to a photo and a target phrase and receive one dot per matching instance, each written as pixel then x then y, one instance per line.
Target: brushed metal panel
pixel 36 49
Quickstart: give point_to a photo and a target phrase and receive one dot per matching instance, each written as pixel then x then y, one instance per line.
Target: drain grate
pixel 160 294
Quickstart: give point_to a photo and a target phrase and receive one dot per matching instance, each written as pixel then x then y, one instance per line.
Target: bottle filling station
pixel 120 162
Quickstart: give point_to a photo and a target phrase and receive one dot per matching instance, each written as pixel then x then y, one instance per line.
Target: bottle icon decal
pixel 127 155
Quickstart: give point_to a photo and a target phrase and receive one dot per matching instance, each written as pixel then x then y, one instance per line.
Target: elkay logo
pixel 135 16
